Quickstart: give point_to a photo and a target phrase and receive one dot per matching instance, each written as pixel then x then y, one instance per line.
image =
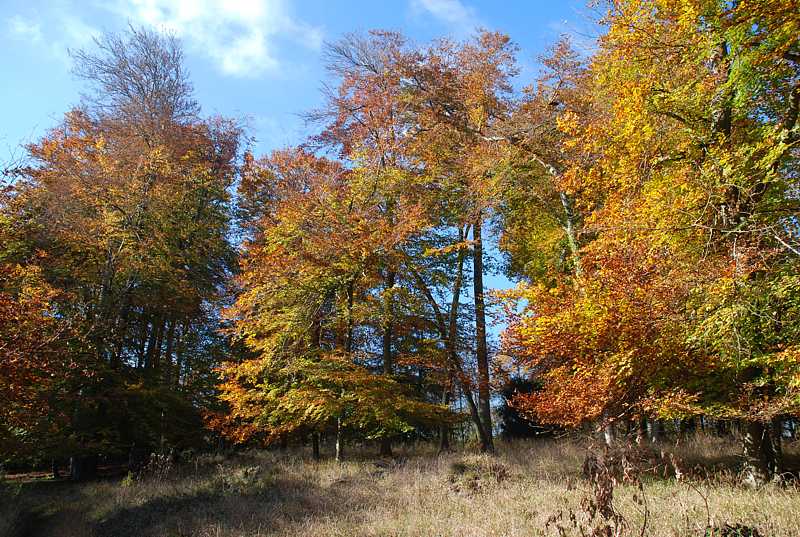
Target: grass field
pixel 529 488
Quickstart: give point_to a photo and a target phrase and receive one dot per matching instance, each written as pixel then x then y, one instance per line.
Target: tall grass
pixel 516 493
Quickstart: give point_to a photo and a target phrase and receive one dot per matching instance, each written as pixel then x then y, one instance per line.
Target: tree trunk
pixel 155 359
pixel 687 427
pixel 569 231
pixel 148 342
pixel 388 361
pixel 82 467
pixel 179 357
pixel 339 441
pixel 104 321
pixel 348 349
pixel 444 439
pixel 721 427
pixel 444 429
pixel 776 448
pixel 482 352
pixel 656 429
pixel 120 334
pixel 167 366
pixel 449 337
pixel 755 439
pixel 609 432
pixel 315 446
pixel 641 431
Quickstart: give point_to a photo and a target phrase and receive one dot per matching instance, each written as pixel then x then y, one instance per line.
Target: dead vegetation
pixel 559 488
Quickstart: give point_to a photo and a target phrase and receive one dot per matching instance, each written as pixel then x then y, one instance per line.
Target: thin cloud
pixel 452 13
pixel 21 28
pixel 238 35
pixel 54 33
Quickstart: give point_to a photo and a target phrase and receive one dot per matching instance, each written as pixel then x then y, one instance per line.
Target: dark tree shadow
pixel 274 509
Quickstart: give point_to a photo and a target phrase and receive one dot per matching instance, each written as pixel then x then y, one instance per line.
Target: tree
pixel 458 93
pixel 542 228
pixel 307 308
pixel 129 200
pixel 40 366
pixel 415 120
pixel 363 121
pixel 513 424
pixel 685 181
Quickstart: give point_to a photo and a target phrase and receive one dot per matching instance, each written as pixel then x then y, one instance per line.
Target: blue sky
pixel 253 59
pixel 259 59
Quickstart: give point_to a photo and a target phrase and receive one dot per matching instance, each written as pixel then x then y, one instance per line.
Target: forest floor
pixel 529 488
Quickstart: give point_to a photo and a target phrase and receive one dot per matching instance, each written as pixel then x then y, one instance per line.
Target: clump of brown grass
pixel 473 475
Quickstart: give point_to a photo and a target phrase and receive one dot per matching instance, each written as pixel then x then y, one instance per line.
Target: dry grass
pixel 512 494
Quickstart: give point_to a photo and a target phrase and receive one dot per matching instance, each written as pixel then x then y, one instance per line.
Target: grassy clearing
pixel 515 493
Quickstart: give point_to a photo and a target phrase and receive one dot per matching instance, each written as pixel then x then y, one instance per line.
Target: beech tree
pixel 124 210
pixel 458 94
pixel 416 120
pixel 311 291
pixel 685 182
pixel 40 366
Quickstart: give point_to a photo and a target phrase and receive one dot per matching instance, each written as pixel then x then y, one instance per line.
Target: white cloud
pixel 63 31
pixel 76 32
pixel 239 35
pixel 451 12
pixel 24 29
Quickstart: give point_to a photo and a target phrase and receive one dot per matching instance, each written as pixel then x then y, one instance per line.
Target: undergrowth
pixel 547 487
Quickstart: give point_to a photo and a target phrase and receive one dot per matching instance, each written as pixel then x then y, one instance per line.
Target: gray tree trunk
pixel 482 352
pixel 755 436
pixel 444 429
pixel 656 429
pixel 339 441
pixel 388 361
pixel 641 431
pixel 609 432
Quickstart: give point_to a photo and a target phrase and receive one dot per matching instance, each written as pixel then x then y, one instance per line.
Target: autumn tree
pixel 41 365
pixel 685 181
pixel 542 228
pixel 128 200
pixel 362 121
pixel 383 118
pixel 311 290
pixel 457 94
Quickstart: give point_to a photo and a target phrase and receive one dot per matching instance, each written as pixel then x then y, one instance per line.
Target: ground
pixel 529 488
